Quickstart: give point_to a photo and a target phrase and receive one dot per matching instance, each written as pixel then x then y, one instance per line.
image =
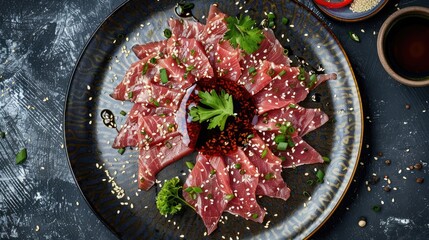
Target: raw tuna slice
pixel 181 28
pixel 284 89
pixel 156 128
pixel 270 50
pixel 269 166
pixel 155 158
pixel 255 79
pixel 129 134
pixel 149 49
pixel 244 181
pixel 209 174
pixel 227 61
pixel 304 120
pixel 134 77
pixel 190 53
pixel 302 153
pixel 176 74
pixel 160 96
pixel 213 32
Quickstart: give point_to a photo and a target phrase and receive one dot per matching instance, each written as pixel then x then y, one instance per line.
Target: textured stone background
pixel 40 42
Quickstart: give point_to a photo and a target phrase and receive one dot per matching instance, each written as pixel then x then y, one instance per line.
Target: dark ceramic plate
pixel 346 15
pixel 108 180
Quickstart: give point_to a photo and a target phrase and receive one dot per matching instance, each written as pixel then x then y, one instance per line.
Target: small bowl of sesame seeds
pixel 350 11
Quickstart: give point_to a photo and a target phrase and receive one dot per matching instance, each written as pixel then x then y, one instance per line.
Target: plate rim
pixel 325 26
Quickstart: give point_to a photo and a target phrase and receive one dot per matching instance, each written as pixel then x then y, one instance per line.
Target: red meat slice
pixel 304 120
pixel 159 96
pixel 129 133
pixel 213 32
pixel 191 54
pixel 257 79
pixel 302 153
pixel 244 181
pixel 284 89
pixel 148 49
pixel 134 77
pixel 175 73
pixel 270 50
pixel 269 166
pixel 227 61
pixel 155 158
pixel 211 175
pixel 156 128
pixel 181 28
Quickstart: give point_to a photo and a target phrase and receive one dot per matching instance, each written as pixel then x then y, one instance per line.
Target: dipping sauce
pixel 407 47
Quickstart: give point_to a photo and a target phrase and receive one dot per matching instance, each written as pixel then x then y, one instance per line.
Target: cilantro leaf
pixel 242 32
pixel 220 107
pixel 168 200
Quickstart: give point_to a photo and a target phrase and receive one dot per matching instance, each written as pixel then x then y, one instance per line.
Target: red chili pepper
pixel 333 4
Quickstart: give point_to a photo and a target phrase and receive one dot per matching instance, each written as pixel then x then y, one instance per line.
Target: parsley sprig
pixel 219 108
pixel 168 200
pixel 243 32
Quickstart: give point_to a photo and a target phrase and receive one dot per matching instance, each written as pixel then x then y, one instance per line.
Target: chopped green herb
pixel 292 105
pixel 167 33
pixel 192 52
pixel 252 71
pixel 354 36
pixel 269 176
pixel 280 138
pixel 163 75
pixel 153 60
pixel 242 171
pixel 130 95
pixel 376 208
pixel 242 32
pixel 2 135
pixel 229 197
pixel 145 68
pixel 310 182
pixel 176 59
pixel 255 216
pixel 305 193
pixel 21 156
pixel 121 150
pixel 250 136
pixel 285 21
pixel 271 16
pixel 286 51
pixel 190 165
pixel 237 166
pixel 168 200
pixel 213 172
pixel 194 191
pixel 190 68
pixel 290 130
pixel 264 153
pixel 282 72
pixel 320 175
pixel 220 108
pixel 326 159
pixel 282 146
pixel 168 145
pixel 123 113
pixel 154 102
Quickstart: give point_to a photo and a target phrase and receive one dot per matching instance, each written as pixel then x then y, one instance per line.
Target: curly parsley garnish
pixel 220 107
pixel 168 200
pixel 243 32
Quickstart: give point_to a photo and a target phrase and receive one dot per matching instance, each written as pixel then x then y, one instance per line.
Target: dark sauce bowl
pixel 403 46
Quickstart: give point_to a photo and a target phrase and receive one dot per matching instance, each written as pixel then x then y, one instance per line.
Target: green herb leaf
pixel 320 175
pixel 167 33
pixel 285 21
pixel 2 135
pixel 121 150
pixel 354 36
pixel 145 68
pixel 264 153
pixel 220 107
pixel 163 75
pixel 243 33
pixel 376 208
pixel 21 156
pixel 326 159
pixel 123 113
pixel 168 200
pixel 190 165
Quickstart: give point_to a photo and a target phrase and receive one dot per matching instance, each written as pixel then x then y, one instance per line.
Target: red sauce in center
pixel 237 129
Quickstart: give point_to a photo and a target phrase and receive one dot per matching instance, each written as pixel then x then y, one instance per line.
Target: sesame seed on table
pixel 39 45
